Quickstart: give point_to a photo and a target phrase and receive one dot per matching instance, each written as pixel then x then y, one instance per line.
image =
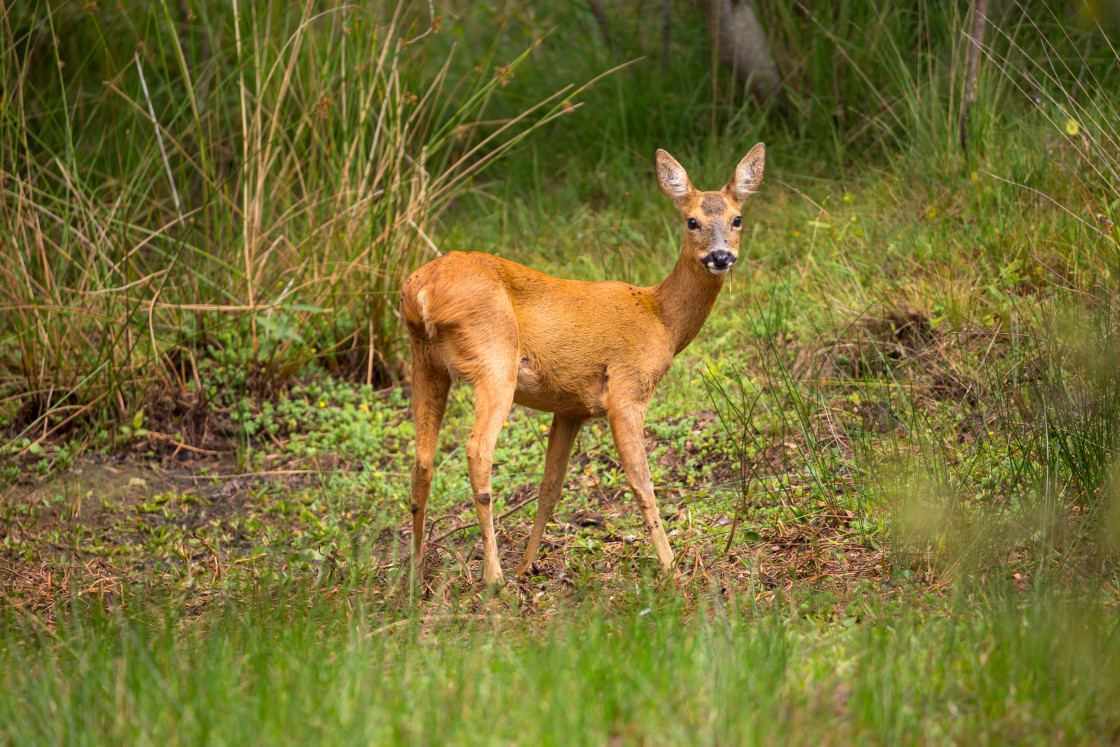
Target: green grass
pixel 639 669
pixel 257 200
pixel 887 466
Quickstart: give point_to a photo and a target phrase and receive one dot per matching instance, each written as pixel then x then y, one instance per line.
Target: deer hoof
pixel 494 581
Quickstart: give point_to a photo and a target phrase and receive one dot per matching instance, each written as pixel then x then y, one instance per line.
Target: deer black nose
pixel 720 259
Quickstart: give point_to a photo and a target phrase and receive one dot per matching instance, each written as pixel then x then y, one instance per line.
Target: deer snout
pixel 719 261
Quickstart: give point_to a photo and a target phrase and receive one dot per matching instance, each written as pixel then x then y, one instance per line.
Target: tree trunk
pixel 601 19
pixel 742 45
pixel 975 41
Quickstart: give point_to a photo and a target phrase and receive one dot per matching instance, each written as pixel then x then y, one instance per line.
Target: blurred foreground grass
pixel 287 667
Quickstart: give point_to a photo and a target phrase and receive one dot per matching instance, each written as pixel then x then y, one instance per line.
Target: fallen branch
pixel 461 527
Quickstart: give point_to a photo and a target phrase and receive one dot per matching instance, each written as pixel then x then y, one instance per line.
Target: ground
pixel 756 499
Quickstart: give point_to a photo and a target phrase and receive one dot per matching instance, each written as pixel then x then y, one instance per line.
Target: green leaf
pixel 305 307
pixel 35 448
pixel 280 329
pixel 138 419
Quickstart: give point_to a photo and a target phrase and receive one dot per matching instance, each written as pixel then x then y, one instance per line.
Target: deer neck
pixel 687 297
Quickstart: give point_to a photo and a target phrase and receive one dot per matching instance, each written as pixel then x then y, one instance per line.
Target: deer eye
pixel 692 224
pixel 737 221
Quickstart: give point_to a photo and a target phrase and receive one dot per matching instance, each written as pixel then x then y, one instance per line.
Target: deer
pixel 577 349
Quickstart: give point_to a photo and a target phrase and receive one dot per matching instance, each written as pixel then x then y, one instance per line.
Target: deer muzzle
pixel 718 261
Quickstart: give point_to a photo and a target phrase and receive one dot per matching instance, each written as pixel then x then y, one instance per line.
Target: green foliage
pixel 979 669
pixel 257 184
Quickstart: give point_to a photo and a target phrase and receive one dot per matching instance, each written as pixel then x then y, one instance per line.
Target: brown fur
pixel 576 349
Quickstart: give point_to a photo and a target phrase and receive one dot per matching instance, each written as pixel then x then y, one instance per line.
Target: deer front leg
pixel 560 439
pixel 492 403
pixel 626 427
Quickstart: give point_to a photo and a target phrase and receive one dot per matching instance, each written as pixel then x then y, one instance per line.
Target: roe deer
pixel 576 349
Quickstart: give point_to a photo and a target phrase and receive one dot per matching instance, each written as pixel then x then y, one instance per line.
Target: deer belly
pixel 543 393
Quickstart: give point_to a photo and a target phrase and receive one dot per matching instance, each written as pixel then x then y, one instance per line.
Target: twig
pixel 461 527
pixel 671 574
pixel 697 566
pixel 260 473
pixel 213 557
pixel 731 534
pixel 181 445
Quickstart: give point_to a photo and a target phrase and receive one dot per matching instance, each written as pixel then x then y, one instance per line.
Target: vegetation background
pixel 889 463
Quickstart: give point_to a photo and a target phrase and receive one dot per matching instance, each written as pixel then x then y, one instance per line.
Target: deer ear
pixel 672 178
pixel 748 175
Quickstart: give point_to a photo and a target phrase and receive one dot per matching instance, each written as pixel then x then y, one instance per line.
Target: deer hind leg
pixel 429 398
pixel 493 399
pixel 626 427
pixel 560 439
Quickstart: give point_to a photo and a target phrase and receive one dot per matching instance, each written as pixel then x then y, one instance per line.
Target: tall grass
pixel 860 81
pixel 244 183
pixel 636 671
pixel 979 433
pixel 241 186
pixel 1073 401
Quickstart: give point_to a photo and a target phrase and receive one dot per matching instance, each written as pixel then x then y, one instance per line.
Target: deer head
pixel 712 220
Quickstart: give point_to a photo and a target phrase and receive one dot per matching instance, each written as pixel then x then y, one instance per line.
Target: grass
pixel 259 204
pixel 887 466
pixel 636 669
